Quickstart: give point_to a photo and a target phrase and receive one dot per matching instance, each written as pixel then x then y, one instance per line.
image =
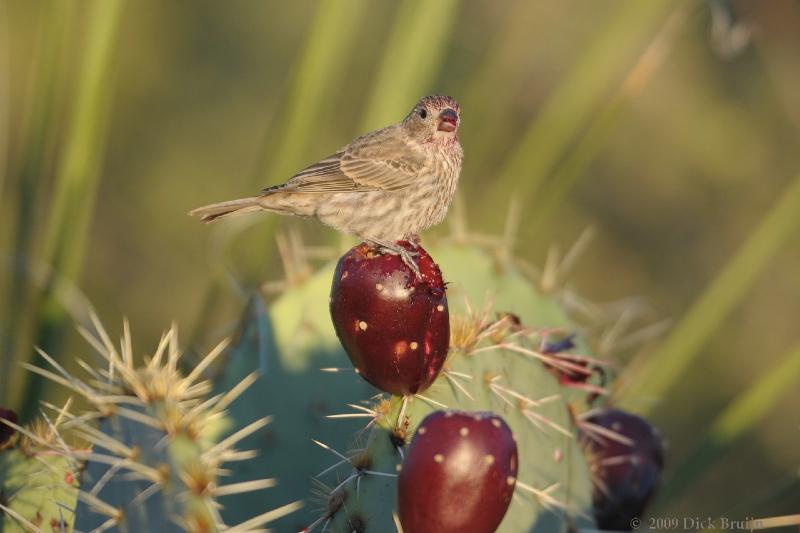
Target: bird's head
pixel 435 118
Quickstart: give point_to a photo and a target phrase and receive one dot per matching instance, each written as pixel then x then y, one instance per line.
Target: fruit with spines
pixel 458 475
pixel 393 324
pixel 626 455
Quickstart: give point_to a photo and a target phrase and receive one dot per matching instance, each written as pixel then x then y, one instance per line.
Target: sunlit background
pixel 662 136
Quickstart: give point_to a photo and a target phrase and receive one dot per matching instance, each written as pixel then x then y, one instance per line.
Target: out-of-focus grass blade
pixel 773 522
pixel 30 179
pixel 322 66
pixel 746 410
pixel 320 69
pixel 657 374
pixel 600 127
pixel 497 75
pixel 77 177
pixel 79 169
pixel 4 93
pixel 577 96
pixel 412 57
pixel 782 490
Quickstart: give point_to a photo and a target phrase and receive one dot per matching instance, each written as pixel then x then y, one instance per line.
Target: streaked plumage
pixel 384 186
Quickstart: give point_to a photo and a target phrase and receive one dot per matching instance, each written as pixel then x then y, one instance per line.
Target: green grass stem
pixel 740 417
pixel 674 356
pixel 412 57
pixel 577 96
pixel 77 179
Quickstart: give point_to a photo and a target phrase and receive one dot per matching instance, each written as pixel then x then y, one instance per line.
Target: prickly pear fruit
pixel 394 326
pixel 459 474
pixel 626 455
pixel 6 431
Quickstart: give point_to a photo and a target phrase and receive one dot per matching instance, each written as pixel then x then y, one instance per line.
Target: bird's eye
pixel 423 113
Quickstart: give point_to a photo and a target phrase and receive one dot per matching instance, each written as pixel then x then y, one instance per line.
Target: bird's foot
pixel 409 257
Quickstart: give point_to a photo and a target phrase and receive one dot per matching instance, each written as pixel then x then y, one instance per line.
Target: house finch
pixel 383 187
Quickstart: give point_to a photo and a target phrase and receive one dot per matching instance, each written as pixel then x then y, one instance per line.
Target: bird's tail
pixel 210 213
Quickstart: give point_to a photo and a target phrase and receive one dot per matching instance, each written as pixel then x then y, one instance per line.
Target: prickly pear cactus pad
pixel 286 347
pixel 490 368
pixel 334 442
pixel 38 477
pixel 156 463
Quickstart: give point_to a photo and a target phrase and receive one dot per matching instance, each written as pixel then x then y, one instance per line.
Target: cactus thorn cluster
pixel 169 445
pixel 156 460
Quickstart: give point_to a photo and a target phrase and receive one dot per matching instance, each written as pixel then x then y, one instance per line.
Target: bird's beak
pixel 448 120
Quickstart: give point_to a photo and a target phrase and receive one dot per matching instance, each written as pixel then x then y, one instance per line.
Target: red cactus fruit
pixel 626 466
pixel 394 326
pixel 6 431
pixel 459 474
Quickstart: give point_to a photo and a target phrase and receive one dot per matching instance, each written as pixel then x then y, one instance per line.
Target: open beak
pixel 448 120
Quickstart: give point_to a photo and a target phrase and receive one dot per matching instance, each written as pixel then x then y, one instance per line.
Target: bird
pixel 383 187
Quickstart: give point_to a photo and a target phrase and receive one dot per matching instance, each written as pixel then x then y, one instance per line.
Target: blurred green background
pixel 671 128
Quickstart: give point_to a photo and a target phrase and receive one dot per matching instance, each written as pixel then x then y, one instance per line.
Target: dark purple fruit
pixel 626 473
pixel 459 474
pixel 6 431
pixel 394 327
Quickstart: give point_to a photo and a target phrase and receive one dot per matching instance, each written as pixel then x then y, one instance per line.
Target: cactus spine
pixel 156 462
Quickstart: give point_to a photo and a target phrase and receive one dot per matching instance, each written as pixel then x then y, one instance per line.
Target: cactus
pixel 292 388
pixel 494 365
pixel 482 374
pixel 159 437
pixel 38 476
pixel 156 462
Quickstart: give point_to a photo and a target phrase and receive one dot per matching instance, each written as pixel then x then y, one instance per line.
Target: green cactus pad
pixel 294 339
pixel 293 390
pixel 549 457
pixel 38 486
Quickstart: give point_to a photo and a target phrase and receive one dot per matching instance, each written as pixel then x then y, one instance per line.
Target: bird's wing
pixel 380 161
pixel 324 176
pixel 383 161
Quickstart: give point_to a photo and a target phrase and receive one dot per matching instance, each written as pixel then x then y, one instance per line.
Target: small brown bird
pixel 383 187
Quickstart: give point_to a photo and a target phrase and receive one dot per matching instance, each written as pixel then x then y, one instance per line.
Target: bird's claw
pixel 409 257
